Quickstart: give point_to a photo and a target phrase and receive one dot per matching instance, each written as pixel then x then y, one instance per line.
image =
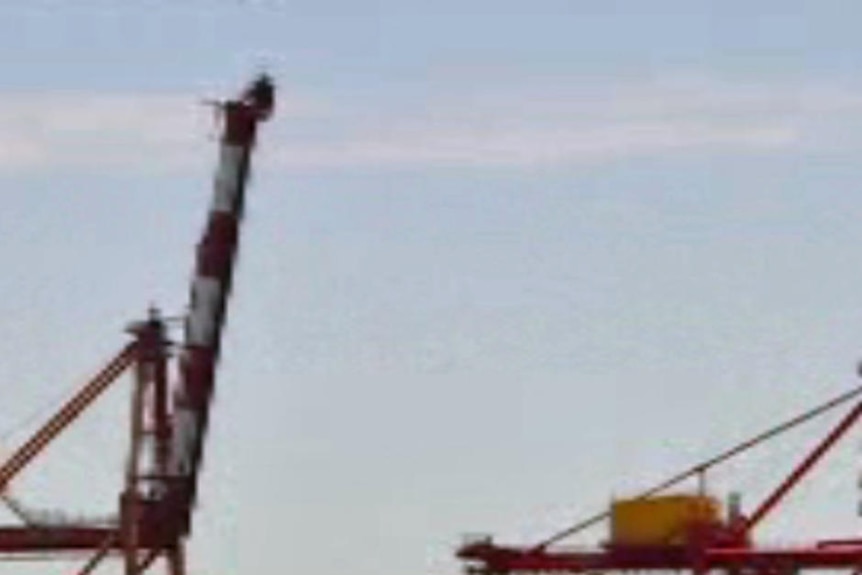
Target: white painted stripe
pixel 227 178
pixel 206 294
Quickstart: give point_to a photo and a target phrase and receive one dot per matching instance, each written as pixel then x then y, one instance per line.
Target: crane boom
pixel 211 286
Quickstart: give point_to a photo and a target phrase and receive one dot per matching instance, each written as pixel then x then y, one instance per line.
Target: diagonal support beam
pixel 804 467
pixel 67 414
pixel 100 555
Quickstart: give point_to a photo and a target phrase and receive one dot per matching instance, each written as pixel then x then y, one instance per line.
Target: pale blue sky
pixel 503 260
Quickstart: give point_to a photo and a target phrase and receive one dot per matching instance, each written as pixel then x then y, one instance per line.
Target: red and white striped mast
pixel 211 287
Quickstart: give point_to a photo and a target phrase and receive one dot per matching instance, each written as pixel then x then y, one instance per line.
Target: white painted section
pixel 185 434
pixel 206 294
pixel 227 178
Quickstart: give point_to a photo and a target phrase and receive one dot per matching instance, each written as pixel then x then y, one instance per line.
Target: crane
pixel 169 416
pixel 659 531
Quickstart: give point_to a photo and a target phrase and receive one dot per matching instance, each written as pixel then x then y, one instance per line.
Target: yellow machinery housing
pixel 665 520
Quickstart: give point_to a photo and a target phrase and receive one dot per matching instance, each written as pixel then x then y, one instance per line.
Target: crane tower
pixel 170 415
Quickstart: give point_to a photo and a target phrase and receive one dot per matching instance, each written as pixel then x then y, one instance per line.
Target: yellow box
pixel 665 520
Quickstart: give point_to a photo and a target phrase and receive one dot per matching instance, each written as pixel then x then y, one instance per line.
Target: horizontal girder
pixel 493 559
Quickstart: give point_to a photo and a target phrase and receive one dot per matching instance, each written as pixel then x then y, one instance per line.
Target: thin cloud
pixel 521 128
pixel 540 127
pixel 532 148
pixel 110 132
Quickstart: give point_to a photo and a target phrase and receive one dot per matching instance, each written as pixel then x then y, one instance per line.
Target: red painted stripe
pixel 217 246
pixel 198 375
pixel 240 124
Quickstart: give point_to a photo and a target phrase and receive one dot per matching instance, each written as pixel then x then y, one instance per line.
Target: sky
pixel 503 261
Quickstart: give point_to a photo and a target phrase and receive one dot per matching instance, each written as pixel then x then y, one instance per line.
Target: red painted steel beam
pixel 67 414
pixel 53 539
pixel 494 559
pixel 804 467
